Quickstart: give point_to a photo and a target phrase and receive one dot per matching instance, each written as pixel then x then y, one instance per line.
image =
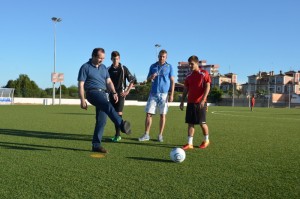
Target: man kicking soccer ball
pixel 196 86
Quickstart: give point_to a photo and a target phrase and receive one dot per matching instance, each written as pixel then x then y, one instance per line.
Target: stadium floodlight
pixel 55 20
pixel 157 46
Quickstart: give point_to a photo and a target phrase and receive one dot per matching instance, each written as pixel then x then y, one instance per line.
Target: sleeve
pixel 172 74
pixel 207 77
pixel 128 75
pixel 82 75
pixel 149 73
pixel 107 74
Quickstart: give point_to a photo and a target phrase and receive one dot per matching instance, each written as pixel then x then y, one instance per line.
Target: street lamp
pixel 157 46
pixel 55 20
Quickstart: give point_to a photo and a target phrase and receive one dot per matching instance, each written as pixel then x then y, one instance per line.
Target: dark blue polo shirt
pixel 93 77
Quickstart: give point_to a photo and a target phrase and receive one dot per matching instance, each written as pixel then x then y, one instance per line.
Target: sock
pixel 190 140
pixel 206 137
pixel 146 133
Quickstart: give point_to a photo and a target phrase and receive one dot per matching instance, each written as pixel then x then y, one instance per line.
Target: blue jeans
pixel 103 109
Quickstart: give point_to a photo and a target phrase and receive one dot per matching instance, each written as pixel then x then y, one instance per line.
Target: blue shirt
pixel 161 83
pixel 93 77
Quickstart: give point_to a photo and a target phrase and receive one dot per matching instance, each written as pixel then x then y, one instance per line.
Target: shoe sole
pixel 144 140
pixel 126 128
pixel 204 147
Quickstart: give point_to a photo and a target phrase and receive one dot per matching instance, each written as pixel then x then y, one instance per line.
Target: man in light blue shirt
pixel 161 74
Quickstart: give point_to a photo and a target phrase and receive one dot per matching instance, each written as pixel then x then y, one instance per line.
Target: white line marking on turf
pixel 256 116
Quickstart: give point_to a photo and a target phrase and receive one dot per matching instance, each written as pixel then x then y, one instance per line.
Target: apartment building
pixel 184 69
pixel 268 82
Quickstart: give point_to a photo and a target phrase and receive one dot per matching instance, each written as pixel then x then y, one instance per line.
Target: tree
pixel 24 87
pixel 239 92
pixel 142 91
pixel 73 91
pixel 215 95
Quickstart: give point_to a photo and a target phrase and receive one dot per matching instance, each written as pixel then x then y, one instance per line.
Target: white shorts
pixel 159 100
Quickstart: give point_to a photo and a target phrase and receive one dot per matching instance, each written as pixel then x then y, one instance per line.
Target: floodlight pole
pixel 157 46
pixel 269 93
pixel 289 95
pixel 55 20
pixel 232 94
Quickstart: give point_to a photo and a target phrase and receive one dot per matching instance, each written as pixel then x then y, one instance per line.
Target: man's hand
pixel 152 77
pixel 124 94
pixel 181 106
pixel 171 98
pixel 83 104
pixel 202 103
pixel 116 98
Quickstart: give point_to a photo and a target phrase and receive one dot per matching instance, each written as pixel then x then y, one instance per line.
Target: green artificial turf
pixel 45 152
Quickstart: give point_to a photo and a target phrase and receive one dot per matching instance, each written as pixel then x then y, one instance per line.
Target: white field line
pixel 256 116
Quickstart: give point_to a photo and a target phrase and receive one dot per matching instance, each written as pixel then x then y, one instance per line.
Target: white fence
pixel 48 101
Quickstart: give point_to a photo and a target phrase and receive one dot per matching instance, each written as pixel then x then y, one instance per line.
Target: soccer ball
pixel 177 155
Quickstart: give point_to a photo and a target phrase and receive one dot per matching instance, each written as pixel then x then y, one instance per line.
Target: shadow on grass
pixel 22 146
pixel 7 145
pixel 79 114
pixel 153 143
pixel 150 159
pixel 45 135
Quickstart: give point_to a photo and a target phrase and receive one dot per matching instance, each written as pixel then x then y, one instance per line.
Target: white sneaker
pixel 145 137
pixel 160 138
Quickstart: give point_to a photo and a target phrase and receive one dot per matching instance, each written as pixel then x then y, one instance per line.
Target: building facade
pixel 268 83
pixel 184 69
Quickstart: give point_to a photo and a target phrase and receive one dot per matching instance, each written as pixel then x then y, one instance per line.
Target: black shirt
pixel 119 75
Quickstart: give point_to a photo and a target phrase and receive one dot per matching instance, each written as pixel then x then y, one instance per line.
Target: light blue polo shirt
pixel 93 77
pixel 161 83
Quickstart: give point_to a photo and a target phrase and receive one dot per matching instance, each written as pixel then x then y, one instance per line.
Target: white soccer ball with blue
pixel 177 155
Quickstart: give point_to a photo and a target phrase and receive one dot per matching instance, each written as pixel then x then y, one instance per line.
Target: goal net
pixel 6 96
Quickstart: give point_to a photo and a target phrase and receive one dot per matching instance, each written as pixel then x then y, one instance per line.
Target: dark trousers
pixel 103 109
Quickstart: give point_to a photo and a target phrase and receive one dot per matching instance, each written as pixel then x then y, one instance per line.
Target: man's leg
pixel 148 123
pixel 99 127
pixel 98 131
pixel 162 123
pixel 204 129
pixel 163 108
pixel 191 131
pixel 99 99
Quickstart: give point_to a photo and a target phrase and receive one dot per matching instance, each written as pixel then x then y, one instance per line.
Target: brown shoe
pixel 99 149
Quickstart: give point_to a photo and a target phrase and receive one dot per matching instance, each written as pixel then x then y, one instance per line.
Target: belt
pixel 97 89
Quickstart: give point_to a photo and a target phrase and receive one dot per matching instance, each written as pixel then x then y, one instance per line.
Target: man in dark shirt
pixel 119 74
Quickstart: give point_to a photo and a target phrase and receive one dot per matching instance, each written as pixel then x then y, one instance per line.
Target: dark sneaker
pixel 99 149
pixel 125 127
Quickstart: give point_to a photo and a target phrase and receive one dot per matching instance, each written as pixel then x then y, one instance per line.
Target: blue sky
pixel 242 36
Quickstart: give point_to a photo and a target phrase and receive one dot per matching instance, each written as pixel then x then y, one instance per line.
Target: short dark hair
pixel 163 51
pixel 96 50
pixel 115 54
pixel 193 58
